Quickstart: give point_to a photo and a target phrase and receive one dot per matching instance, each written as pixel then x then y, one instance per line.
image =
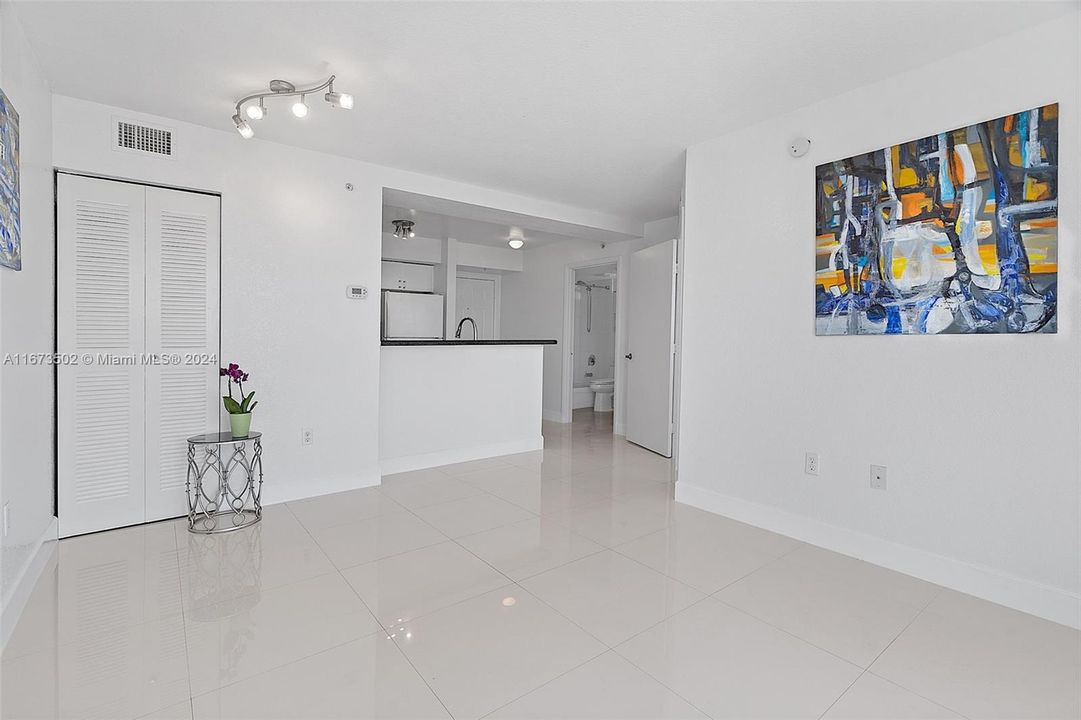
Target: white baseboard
pixel 552 415
pixel 390 466
pixel 1035 598
pixel 315 488
pixel 16 600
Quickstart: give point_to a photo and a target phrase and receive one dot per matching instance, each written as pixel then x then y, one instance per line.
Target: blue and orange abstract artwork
pixel 10 213
pixel 952 233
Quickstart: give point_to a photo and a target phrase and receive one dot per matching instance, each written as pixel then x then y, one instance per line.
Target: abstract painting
pixel 952 233
pixel 10 230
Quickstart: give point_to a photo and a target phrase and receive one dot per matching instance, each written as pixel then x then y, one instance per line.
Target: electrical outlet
pixel 307 437
pixel 810 463
pixel 878 477
pixel 7 518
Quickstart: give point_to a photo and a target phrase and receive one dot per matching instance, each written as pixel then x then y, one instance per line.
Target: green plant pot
pixel 240 424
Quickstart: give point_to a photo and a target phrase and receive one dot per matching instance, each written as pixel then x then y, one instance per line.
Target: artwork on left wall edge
pixel 952 233
pixel 10 222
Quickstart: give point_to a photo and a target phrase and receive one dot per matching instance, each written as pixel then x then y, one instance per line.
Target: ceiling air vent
pixel 142 138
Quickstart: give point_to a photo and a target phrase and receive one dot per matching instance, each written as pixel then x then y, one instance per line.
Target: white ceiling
pixel 590 104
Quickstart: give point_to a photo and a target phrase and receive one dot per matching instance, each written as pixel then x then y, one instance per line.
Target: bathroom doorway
pixel 593 344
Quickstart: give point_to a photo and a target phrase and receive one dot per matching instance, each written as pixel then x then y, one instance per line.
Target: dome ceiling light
pixel 516 238
pixel 256 107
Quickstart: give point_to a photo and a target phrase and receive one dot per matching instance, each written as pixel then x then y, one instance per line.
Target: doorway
pixel 592 330
pixel 645 345
pixel 593 350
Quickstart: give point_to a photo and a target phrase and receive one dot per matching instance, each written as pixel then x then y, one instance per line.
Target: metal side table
pixel 218 500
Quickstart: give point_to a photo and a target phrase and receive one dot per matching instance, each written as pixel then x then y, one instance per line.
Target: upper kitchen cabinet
pixel 413 277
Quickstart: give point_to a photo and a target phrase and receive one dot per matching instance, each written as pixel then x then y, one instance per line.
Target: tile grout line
pixel 546 683
pixel 183 620
pixel 608 648
pixel 563 565
pixel 876 657
pixel 513 583
pixel 919 695
pixel 788 633
pixel 647 672
pixel 510 583
pixel 382 628
pixel 509 580
pixel 295 660
pixel 287 663
pixel 895 639
pixel 841 695
pixel 420 675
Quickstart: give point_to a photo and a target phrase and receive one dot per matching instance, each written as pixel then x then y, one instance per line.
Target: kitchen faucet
pixel 473 322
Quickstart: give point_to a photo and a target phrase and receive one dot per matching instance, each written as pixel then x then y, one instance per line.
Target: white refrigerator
pixel 412 316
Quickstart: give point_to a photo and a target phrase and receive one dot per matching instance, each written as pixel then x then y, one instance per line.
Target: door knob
pixel 629 356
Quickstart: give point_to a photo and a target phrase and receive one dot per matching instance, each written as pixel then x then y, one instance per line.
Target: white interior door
pixel 182 238
pixel 476 298
pixel 100 269
pixel 651 275
pixel 137 304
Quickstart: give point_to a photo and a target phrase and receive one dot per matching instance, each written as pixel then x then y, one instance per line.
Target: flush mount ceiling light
pixel 282 88
pixel 516 239
pixel 404 229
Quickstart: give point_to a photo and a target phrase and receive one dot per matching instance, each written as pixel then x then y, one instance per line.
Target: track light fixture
pixel 282 88
pixel 256 112
pixel 342 100
pixel 243 127
pixel 300 108
pixel 404 229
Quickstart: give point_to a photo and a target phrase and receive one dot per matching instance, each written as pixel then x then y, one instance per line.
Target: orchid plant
pixel 238 376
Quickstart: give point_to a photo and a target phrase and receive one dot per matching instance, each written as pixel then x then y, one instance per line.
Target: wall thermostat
pixel 357 292
pixel 799 147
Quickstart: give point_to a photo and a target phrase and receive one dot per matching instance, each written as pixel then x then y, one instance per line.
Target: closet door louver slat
pixel 181 319
pixel 100 267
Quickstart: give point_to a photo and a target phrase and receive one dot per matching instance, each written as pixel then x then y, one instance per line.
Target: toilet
pixel 603 391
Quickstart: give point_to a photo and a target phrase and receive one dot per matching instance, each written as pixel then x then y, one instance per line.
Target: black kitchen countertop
pixel 457 341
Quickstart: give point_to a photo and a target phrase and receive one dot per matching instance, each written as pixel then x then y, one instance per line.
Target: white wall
pixel 430 250
pixel 486 257
pixel 293 238
pixel 658 231
pixel 418 249
pixel 442 405
pixel 532 304
pixel 26 326
pixel 981 435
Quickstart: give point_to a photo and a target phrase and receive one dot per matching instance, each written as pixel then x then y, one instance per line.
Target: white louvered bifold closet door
pixel 137 278
pixel 181 321
pixel 100 268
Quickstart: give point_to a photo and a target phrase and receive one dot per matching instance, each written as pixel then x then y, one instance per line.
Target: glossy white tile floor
pixel 562 584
